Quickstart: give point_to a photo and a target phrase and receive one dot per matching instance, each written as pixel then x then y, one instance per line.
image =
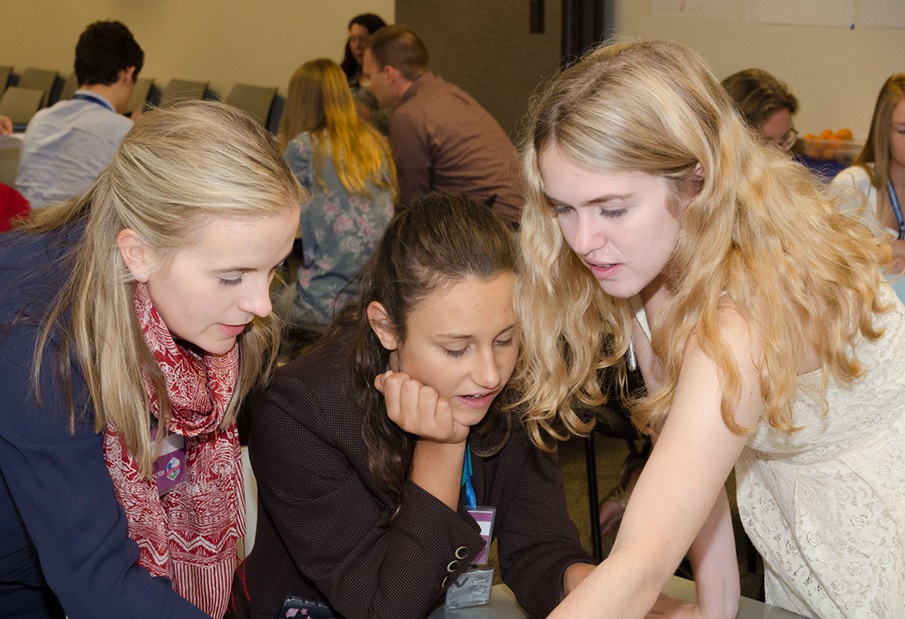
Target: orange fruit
pixel 826 134
pixel 844 134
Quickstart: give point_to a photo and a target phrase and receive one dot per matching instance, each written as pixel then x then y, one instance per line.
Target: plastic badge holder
pixel 472 588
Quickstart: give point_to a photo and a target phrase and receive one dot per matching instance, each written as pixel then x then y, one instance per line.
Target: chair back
pixel 256 100
pixel 10 145
pixel 5 73
pixel 69 87
pixel 182 90
pixel 139 95
pixel 39 79
pixel 20 104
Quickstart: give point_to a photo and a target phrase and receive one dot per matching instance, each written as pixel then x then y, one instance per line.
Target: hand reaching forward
pixel 419 409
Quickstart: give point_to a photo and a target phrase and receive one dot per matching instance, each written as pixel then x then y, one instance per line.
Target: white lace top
pixel 825 506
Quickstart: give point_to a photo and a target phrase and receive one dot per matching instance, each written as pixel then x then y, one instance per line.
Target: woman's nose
pixel 585 236
pixel 258 302
pixel 486 372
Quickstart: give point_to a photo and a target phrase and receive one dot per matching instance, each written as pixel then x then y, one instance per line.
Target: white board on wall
pixel 882 14
pixel 707 9
pixel 802 12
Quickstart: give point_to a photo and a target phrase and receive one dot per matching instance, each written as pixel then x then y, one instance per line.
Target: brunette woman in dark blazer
pixel 359 446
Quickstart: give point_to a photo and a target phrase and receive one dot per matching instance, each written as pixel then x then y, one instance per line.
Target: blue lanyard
pixel 471 501
pixel 897 210
pixel 83 97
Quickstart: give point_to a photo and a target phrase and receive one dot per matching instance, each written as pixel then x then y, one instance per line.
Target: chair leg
pixel 593 506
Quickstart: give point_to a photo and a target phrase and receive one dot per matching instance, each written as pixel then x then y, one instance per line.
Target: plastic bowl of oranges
pixel 829 145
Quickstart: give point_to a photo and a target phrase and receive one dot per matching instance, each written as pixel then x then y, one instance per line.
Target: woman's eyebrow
pixel 234 270
pixel 599 200
pixel 457 336
pixel 607 197
pixel 238 269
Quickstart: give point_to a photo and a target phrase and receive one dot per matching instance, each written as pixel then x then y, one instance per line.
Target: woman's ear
pixel 689 188
pixel 382 325
pixel 698 174
pixel 136 255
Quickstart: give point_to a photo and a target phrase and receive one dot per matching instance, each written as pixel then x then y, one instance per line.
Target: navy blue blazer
pixel 64 544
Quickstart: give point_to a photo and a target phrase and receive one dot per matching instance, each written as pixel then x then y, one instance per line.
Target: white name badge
pixel 484 517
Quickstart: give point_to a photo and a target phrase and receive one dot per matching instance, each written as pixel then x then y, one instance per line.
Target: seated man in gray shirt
pixel 69 143
pixel 442 139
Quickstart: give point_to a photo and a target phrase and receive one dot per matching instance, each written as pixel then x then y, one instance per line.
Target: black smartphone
pixel 299 608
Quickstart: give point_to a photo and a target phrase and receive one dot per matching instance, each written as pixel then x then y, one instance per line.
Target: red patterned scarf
pixel 190 533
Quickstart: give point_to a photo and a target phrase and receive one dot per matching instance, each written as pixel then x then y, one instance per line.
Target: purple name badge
pixel 484 517
pixel 169 467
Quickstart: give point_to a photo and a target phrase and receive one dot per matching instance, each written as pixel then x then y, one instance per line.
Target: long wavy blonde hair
pixel 174 170
pixel 757 227
pixel 319 101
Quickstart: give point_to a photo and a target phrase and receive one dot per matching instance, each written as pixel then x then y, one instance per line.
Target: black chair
pixel 70 85
pixel 256 100
pixel 20 104
pixel 5 73
pixel 612 420
pixel 40 79
pixel 182 90
pixel 139 95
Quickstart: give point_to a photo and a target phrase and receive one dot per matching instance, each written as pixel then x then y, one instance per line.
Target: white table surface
pixel 503 605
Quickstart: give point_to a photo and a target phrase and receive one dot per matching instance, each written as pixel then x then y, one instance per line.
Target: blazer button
pixel 452 567
pixel 445 582
pixel 461 552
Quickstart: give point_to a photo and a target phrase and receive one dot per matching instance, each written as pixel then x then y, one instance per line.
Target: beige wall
pixel 223 41
pixel 490 53
pixel 836 73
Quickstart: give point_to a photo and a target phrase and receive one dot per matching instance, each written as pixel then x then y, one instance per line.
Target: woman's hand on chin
pixel 419 409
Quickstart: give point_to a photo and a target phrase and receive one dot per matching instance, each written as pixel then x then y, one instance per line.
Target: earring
pixel 142 277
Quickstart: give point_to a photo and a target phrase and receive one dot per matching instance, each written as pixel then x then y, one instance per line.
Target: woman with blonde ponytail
pixel 346 165
pixel 133 322
pixel 659 233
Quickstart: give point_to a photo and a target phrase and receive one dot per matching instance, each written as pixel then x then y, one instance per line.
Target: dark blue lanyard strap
pixel 84 97
pixel 897 210
pixel 471 501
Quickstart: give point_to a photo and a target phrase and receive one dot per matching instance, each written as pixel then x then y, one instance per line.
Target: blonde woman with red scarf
pixel 133 321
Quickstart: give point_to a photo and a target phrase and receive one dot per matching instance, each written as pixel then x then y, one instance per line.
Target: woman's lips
pixel 232 330
pixel 602 270
pixel 476 403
